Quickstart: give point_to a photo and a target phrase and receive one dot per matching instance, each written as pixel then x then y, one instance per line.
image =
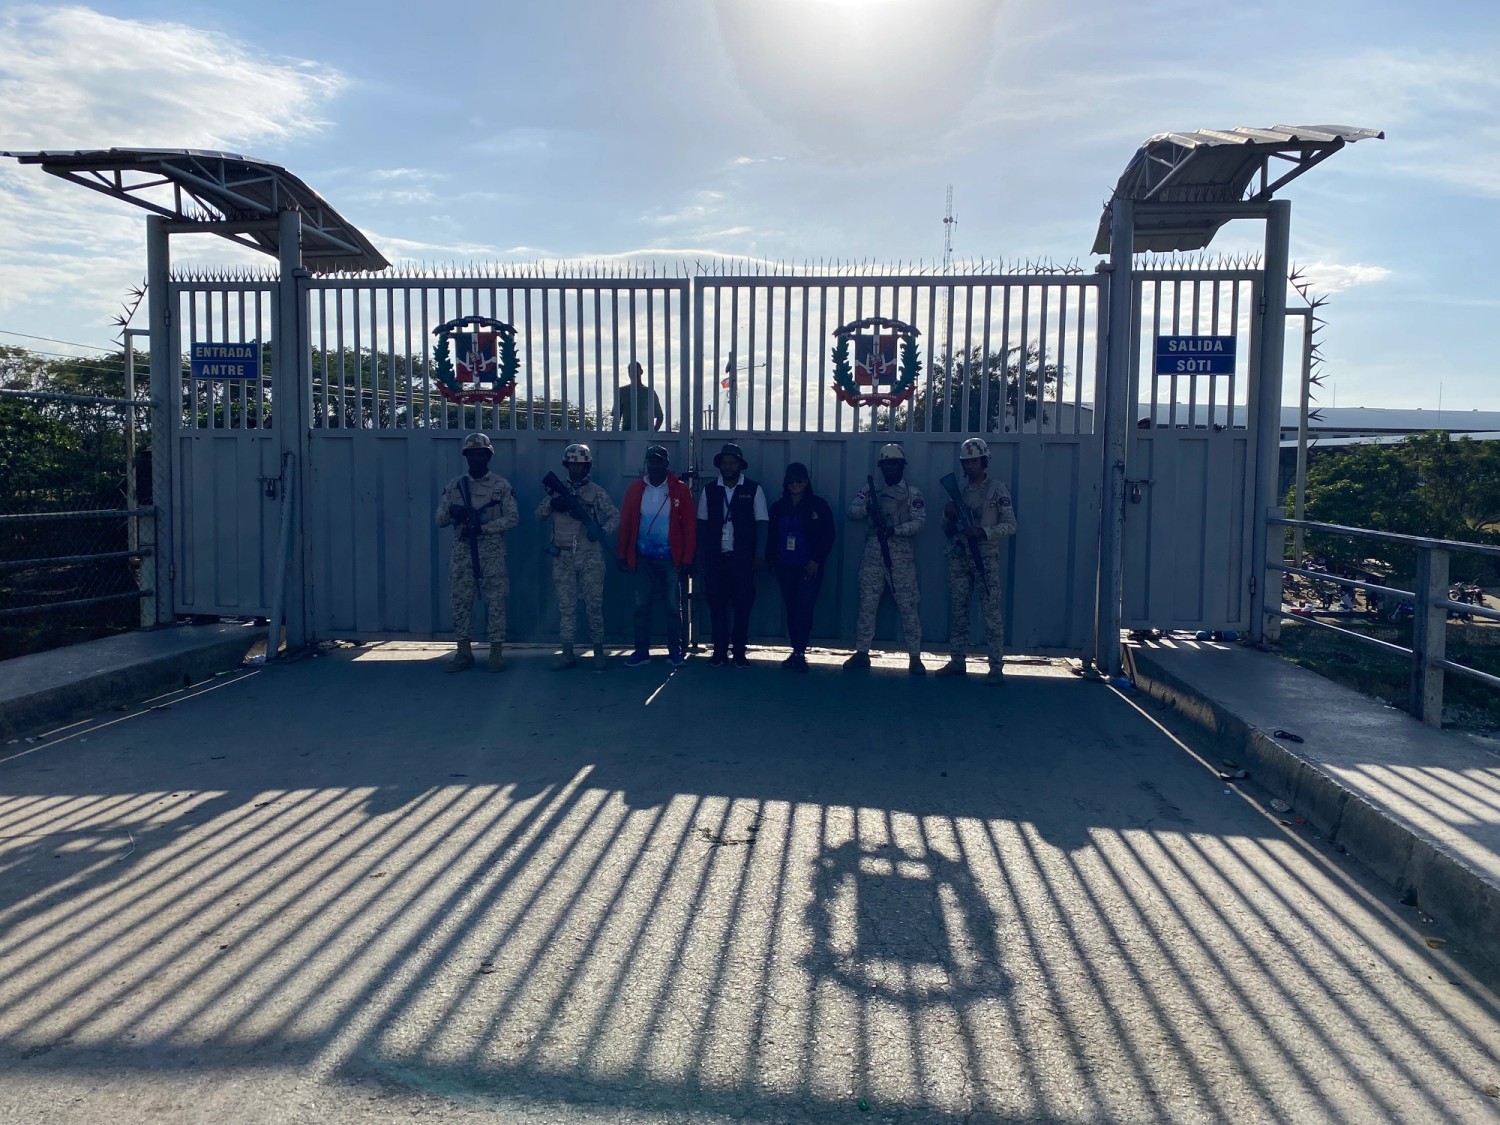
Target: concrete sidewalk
pixel 1420 807
pixel 67 684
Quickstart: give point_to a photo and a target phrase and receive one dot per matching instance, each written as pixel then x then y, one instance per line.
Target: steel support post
pixel 166 419
pixel 1116 434
pixel 291 407
pixel 1429 635
pixel 1266 593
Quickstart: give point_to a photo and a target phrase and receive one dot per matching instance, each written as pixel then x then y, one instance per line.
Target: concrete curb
pixel 53 688
pixel 1419 867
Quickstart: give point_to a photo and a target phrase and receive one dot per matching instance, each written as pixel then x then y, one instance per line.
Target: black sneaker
pixel 718 660
pixel 790 663
pixel 741 660
pixel 801 665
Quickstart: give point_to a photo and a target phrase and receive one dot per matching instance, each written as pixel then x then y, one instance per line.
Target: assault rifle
pixel 965 520
pixel 575 506
pixel 882 530
pixel 469 529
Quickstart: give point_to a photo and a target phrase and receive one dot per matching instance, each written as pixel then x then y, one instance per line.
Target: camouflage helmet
pixel 479 441
pixel 578 454
pixel 973 447
pixel 891 451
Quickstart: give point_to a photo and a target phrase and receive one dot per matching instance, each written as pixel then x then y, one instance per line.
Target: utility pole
pixel 949 222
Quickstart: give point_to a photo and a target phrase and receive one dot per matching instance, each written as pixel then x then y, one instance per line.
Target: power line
pixel 54 340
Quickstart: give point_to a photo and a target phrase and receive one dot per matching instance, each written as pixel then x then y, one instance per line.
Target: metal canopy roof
pixel 1215 166
pixel 238 197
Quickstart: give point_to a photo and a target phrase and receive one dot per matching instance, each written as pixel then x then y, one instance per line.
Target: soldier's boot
pixel 858 660
pixel 956 666
pixel 914 666
pixel 996 675
pixel 601 661
pixel 462 660
pixel 566 660
pixel 497 657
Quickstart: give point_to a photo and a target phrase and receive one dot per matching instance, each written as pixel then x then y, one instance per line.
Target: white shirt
pixel 652 541
pixel 726 538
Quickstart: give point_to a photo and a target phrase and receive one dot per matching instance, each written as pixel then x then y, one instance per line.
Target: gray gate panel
pixel 381 563
pixel 226 529
pixel 1187 539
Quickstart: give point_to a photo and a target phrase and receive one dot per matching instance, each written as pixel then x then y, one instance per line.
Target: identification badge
pixel 791 543
pixel 726 539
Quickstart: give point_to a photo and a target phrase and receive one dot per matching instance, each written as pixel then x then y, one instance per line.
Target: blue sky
pixel 784 129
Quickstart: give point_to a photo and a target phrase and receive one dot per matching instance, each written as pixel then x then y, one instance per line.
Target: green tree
pixel 974 391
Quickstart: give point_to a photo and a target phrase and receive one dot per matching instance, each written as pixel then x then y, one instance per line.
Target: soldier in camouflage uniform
pixel 990 518
pixel 905 515
pixel 577 560
pixel 480 522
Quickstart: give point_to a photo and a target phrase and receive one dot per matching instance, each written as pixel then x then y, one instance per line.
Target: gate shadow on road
pixel 742 892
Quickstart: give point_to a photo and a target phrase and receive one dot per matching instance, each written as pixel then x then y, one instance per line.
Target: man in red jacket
pixel 657 540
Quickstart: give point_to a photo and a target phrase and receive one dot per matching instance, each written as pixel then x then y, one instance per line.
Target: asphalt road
pixel 356 889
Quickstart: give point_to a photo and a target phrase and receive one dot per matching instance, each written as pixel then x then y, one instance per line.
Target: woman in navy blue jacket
pixel 800 539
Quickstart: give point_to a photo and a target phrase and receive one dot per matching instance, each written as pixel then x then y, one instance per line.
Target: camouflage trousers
pixel 962 579
pixel 872 580
pixel 580 573
pixel 496 587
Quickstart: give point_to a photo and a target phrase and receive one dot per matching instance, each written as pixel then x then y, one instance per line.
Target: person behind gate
pixel 800 539
pixel 975 524
pixel 897 514
pixel 481 507
pixel 731 513
pixel 636 405
pixel 658 539
pixel 582 515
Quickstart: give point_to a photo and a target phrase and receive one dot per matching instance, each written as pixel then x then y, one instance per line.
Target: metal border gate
pixel 1017 358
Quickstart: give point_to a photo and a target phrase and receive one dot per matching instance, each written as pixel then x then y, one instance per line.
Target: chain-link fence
pixel 75 512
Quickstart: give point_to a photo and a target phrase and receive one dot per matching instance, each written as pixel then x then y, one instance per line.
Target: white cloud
pixel 1334 277
pixel 74 78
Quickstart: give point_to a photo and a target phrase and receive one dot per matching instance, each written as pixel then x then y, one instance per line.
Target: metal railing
pixel 1430 603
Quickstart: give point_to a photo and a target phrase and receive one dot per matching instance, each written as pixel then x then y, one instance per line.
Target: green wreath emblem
pixel 506 361
pixel 843 373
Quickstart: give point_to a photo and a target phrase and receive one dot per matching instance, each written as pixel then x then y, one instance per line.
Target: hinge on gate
pixel 1252 583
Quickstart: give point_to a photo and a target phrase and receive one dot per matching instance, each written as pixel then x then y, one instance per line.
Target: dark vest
pixel 741 514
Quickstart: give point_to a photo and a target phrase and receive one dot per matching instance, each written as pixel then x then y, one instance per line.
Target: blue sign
pixel 226 361
pixel 1195 355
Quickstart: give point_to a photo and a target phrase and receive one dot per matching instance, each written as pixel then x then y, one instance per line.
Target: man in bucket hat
pixel 732 515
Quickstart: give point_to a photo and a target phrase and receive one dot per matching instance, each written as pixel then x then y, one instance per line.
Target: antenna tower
pixel 949 222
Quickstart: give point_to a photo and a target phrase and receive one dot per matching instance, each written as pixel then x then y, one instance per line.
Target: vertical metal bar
pixel 1266 409
pixel 1078 333
pixel 1299 509
pixel 1176 330
pixel 1234 327
pixel 1041 360
pixel 929 419
pixel 750 370
pixel 802 394
pixel 786 355
pixel 614 341
pixel 192 318
pixel 323 352
pixel 666 357
pixel 734 353
pixel 599 407
pixel 971 424
pixel 581 366
pixel 1025 365
pixel 693 387
pixel 838 405
pixel 1192 402
pixel 859 314
pixel 948 348
pixel 530 364
pixel 650 348
pixel 987 360
pixel 426 322
pixel 546 358
pixel 770 351
pixel 1213 380
pixel 1148 368
pixel 359 362
pixel 911 403
pixel 1117 431
pixel 713 380
pixel 689 362
pixel 823 352
pixel 1429 639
